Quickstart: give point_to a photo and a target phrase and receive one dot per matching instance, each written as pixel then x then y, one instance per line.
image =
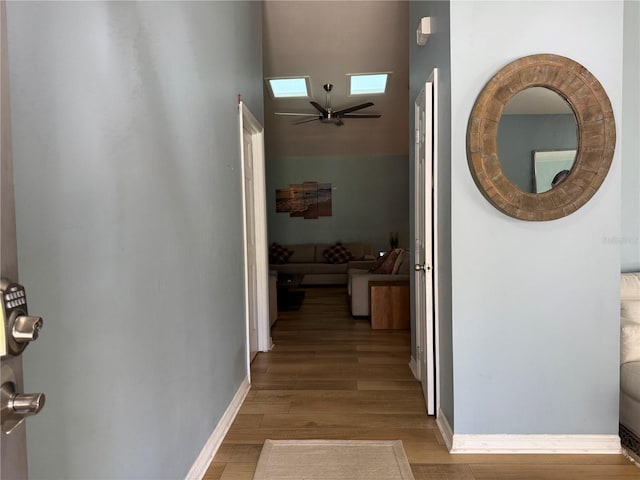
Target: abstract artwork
pixel 308 200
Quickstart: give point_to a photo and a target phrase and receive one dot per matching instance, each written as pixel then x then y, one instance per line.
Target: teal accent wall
pixel 536 328
pixel 370 197
pixel 129 219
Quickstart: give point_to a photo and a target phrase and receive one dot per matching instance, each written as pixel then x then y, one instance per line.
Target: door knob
pixel 26 328
pixel 23 329
pixel 16 407
pixel 28 403
pixel 421 268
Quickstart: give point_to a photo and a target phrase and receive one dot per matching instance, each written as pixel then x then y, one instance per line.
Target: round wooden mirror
pixel 596 137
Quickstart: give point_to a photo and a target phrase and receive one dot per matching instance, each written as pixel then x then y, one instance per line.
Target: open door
pixel 426 331
pixel 255 233
pixel 17 327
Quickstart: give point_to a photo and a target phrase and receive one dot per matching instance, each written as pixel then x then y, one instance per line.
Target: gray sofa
pixel 630 362
pixel 308 260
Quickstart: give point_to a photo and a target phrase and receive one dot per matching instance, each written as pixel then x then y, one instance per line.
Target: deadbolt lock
pixel 19 328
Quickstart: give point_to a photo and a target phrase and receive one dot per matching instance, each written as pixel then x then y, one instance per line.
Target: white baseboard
pixel 413 365
pixel 445 429
pixel 520 444
pixel 546 444
pixel 199 468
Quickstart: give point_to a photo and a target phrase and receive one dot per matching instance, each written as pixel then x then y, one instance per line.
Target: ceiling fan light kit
pixel 328 115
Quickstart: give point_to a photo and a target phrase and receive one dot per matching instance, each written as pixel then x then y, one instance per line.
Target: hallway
pixel 331 377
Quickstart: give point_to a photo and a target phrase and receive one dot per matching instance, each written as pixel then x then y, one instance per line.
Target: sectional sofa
pixel 315 265
pixel 630 362
pixel 358 282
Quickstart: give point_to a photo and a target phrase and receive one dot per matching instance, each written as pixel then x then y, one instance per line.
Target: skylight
pixel 289 87
pixel 368 84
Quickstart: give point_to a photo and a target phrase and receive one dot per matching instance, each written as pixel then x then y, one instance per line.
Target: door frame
pixel 427 363
pixel 261 302
pixel 434 79
pixel 13 447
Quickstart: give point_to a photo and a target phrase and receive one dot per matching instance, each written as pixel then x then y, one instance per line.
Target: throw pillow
pixel 386 264
pixel 337 254
pixel 379 261
pixel 630 343
pixel 630 311
pixel 630 286
pixel 629 331
pixel 279 254
pixel 405 264
pixel 399 260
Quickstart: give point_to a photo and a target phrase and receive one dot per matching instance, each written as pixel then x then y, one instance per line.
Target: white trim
pixel 245 250
pixel 541 444
pixel 521 444
pixel 413 365
pixel 434 78
pixel 200 466
pixel 445 429
pixel 248 121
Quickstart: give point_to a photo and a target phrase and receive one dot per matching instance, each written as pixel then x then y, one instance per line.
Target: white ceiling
pixel 326 40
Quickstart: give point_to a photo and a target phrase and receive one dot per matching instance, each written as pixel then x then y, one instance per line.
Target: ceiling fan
pixel 328 114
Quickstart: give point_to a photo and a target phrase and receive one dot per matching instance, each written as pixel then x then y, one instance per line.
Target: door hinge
pixel 417 137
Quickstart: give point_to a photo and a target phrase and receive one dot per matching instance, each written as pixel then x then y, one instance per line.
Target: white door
pixel 424 243
pixel 255 236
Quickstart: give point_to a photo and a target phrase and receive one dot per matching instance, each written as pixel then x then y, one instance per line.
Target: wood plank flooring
pixel 332 377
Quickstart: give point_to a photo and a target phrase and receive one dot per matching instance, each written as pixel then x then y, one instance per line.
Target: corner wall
pixel 129 219
pixel 535 305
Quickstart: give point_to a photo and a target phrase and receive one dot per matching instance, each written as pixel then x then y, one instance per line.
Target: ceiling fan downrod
pixel 327 97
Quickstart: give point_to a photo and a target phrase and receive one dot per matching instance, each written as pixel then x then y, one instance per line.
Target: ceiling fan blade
pixel 299 122
pixel 360 115
pixel 293 114
pixel 319 107
pixel 354 108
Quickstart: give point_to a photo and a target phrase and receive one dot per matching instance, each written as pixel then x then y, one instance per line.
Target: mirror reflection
pixel 537 139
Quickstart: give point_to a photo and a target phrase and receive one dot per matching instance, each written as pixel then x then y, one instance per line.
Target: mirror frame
pixel 596 137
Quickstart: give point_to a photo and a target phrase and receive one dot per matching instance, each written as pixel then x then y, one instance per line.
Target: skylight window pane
pixel 368 84
pixel 288 87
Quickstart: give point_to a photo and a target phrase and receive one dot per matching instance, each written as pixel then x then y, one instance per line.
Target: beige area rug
pixel 333 460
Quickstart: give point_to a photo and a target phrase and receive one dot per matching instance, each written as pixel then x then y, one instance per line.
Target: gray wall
pixel 630 234
pixel 128 192
pixel 520 135
pixel 423 59
pixel 370 199
pixel 535 304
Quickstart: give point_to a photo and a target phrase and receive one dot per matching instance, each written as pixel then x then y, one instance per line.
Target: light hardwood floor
pixel 332 377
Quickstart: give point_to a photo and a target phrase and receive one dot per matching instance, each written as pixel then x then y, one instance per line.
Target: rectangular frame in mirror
pixel 548 163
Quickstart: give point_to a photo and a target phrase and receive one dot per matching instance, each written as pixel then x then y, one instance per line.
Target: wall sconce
pixel 424 30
